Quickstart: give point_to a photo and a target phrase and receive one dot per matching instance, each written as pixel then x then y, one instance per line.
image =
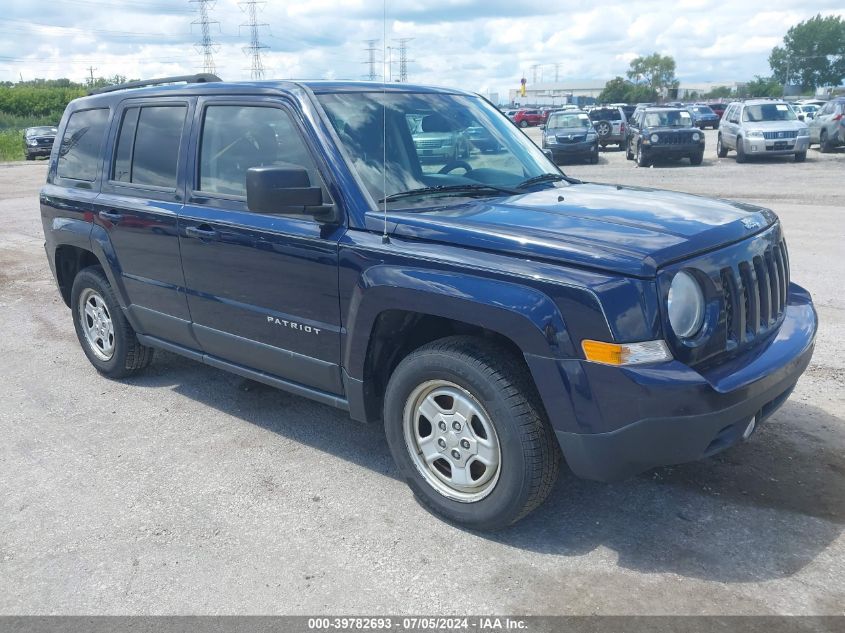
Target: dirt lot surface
pixel 189 490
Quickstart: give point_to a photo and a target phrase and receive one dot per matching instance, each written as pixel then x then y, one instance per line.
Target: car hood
pixel 627 230
pixel 775 125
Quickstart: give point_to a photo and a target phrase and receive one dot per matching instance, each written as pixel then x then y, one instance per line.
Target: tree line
pixel 812 55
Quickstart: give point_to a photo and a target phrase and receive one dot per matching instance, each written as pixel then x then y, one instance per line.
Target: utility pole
pixel 557 73
pixel 250 7
pixel 206 45
pixel 403 58
pixel 534 72
pixel 91 70
pixel 371 49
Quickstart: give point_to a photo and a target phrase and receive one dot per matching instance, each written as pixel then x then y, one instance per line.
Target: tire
pixel 30 157
pixel 696 159
pixel 721 150
pixel 825 145
pixel 523 124
pixel 740 150
pixel 125 355
pixel 594 159
pixel 506 422
pixel 641 159
pixel 629 155
pixel 603 129
pixel 800 157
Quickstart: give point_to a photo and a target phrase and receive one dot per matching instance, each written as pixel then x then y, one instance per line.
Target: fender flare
pixel 522 314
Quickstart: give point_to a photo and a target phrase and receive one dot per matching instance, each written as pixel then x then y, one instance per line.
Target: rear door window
pixel 148 145
pixel 80 151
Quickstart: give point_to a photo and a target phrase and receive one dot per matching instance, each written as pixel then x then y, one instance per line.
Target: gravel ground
pixel 189 490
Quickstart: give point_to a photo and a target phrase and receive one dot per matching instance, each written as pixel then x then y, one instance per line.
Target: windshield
pixel 432 141
pixel 39 131
pixel 668 118
pixel 768 112
pixel 703 110
pixel 566 119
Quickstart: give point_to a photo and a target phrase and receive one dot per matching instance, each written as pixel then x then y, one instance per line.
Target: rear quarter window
pixel 80 152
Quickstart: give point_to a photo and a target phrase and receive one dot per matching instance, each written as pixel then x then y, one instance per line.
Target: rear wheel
pixel 721 150
pixel 467 433
pixel 523 123
pixel 106 337
pixel 825 145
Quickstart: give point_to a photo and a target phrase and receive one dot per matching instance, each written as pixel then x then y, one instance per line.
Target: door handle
pixel 203 231
pixel 110 216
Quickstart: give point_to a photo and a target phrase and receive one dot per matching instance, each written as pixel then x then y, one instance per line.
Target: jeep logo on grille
pixel 780 134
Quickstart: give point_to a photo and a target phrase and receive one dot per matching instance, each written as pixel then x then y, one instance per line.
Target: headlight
pixel 32 142
pixel 695 136
pixel 685 305
pixel 551 138
pixel 804 132
pixel 654 138
pixel 755 133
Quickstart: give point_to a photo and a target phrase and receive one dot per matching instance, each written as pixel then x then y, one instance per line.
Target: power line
pixel 255 47
pixel 371 49
pixel 403 58
pixel 206 45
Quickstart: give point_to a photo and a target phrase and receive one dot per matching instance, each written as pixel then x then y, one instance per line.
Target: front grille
pixel 427 143
pixel 572 139
pixel 773 136
pixel 755 293
pixel 677 138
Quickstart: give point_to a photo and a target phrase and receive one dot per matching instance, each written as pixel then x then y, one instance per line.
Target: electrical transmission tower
pixel 250 7
pixel 371 49
pixel 403 58
pixel 206 45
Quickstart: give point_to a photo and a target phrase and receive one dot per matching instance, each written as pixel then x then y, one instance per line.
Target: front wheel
pixel 523 124
pixel 825 145
pixel 106 337
pixel 721 150
pixel 642 161
pixel 800 157
pixel 696 159
pixel 740 150
pixel 468 434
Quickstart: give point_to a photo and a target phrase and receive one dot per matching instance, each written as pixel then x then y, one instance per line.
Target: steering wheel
pixel 454 164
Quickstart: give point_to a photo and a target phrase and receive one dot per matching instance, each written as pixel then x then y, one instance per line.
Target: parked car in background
pixel 510 113
pixel 762 127
pixel 827 128
pixel 703 116
pixel 718 108
pixel 569 134
pixel 436 140
pixel 609 122
pixel 628 109
pixel 38 141
pixel 805 112
pixel 526 118
pixel 658 133
pixel 481 139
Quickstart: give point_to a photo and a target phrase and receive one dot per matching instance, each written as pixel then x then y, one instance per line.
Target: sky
pixel 479 45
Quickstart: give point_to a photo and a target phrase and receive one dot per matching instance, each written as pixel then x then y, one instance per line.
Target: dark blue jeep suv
pixel 496 315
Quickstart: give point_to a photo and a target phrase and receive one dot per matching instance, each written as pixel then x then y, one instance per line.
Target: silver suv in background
pixel 827 127
pixel 609 122
pixel 762 127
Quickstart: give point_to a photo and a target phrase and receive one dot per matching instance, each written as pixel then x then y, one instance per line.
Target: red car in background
pixel 524 118
pixel 718 108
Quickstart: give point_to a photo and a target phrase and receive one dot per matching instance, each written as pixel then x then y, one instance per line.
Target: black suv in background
pixel 660 133
pixel 38 141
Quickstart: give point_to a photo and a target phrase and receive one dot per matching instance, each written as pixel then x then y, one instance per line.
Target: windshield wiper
pixel 450 190
pixel 541 178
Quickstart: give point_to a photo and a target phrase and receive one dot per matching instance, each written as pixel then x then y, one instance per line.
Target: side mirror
pixel 800 117
pixel 549 154
pixel 286 188
pixel 542 126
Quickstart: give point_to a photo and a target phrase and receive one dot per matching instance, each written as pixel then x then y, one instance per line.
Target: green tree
pixel 640 93
pixel 656 71
pixel 812 55
pixel 762 87
pixel 719 92
pixel 615 91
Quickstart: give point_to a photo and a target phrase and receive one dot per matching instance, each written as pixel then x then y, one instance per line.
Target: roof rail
pixel 200 78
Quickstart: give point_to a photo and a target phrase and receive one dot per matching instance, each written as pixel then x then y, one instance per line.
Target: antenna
pixel 206 45
pixel 371 59
pixel 255 47
pixel 385 239
pixel 403 58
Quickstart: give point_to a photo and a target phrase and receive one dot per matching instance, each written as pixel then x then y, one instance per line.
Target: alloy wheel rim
pixel 452 441
pixel 97 324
